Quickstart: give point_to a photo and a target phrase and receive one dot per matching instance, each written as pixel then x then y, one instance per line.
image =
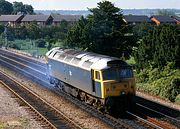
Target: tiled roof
pixel 136 18
pixel 166 19
pixel 9 18
pixel 57 18
pixel 176 17
pixel 40 18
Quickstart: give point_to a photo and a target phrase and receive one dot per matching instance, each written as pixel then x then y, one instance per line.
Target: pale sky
pixel 83 4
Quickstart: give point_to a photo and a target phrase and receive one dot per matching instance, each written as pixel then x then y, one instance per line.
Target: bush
pixel 154 74
pixel 40 43
pixel 177 98
pixel 174 89
pixel 143 76
pixel 162 82
pixel 15 46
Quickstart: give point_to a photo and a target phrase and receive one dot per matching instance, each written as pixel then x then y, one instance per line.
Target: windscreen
pixel 117 73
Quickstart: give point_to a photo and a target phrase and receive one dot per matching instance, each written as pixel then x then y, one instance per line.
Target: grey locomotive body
pixel 97 79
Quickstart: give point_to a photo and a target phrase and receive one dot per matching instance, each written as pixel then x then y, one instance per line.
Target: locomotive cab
pixel 117 85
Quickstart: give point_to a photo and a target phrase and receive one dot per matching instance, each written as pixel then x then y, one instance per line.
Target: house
pixel 136 19
pixel 162 19
pixel 57 19
pixel 11 20
pixel 40 19
pixel 177 19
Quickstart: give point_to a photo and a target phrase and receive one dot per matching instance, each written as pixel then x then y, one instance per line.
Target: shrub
pixel 162 82
pixel 143 76
pixel 154 74
pixel 174 89
pixel 178 98
pixel 40 43
pixel 15 46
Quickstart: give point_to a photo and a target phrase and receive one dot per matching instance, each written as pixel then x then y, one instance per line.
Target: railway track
pixel 148 123
pixel 27 59
pixel 42 111
pixel 144 120
pixel 169 121
pixel 163 109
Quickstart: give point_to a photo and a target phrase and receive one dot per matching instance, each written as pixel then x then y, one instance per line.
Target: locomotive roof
pixel 85 60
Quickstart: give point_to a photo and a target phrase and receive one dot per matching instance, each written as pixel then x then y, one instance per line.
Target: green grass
pixel 29 46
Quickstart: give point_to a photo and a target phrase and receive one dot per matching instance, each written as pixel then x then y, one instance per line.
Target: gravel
pixel 14 116
pixel 158 100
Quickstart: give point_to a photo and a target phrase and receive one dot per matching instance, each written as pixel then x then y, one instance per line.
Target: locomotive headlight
pixel 123 93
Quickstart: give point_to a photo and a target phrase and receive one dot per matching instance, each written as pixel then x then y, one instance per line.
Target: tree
pixel 33 30
pixel 103 32
pixel 76 36
pixel 50 43
pixel 61 30
pixel 5 7
pixel 10 34
pixel 40 43
pixel 1 29
pixel 28 9
pixel 142 29
pixel 57 33
pixel 20 32
pixel 159 46
pixel 19 7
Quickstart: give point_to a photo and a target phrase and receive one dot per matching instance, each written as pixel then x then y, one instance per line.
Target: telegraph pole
pixel 6 36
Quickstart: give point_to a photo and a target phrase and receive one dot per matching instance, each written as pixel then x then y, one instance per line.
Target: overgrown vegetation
pixel 159 46
pixel 37 36
pixel 164 82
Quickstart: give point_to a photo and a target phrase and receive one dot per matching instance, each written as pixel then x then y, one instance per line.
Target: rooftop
pixel 66 17
pixel 164 18
pixel 39 18
pixel 9 18
pixel 137 18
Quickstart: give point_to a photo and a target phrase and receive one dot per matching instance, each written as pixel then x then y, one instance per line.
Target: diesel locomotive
pixel 103 81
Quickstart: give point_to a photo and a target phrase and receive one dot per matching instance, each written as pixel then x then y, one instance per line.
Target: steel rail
pixel 149 123
pixel 159 113
pixel 31 107
pixel 40 116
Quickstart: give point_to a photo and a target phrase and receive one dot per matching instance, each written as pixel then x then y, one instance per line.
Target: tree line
pixel 104 32
pixel 42 34
pixel 15 8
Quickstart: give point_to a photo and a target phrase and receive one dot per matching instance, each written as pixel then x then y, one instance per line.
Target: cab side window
pixel 97 75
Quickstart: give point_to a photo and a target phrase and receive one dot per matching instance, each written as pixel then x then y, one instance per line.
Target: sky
pixel 84 4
